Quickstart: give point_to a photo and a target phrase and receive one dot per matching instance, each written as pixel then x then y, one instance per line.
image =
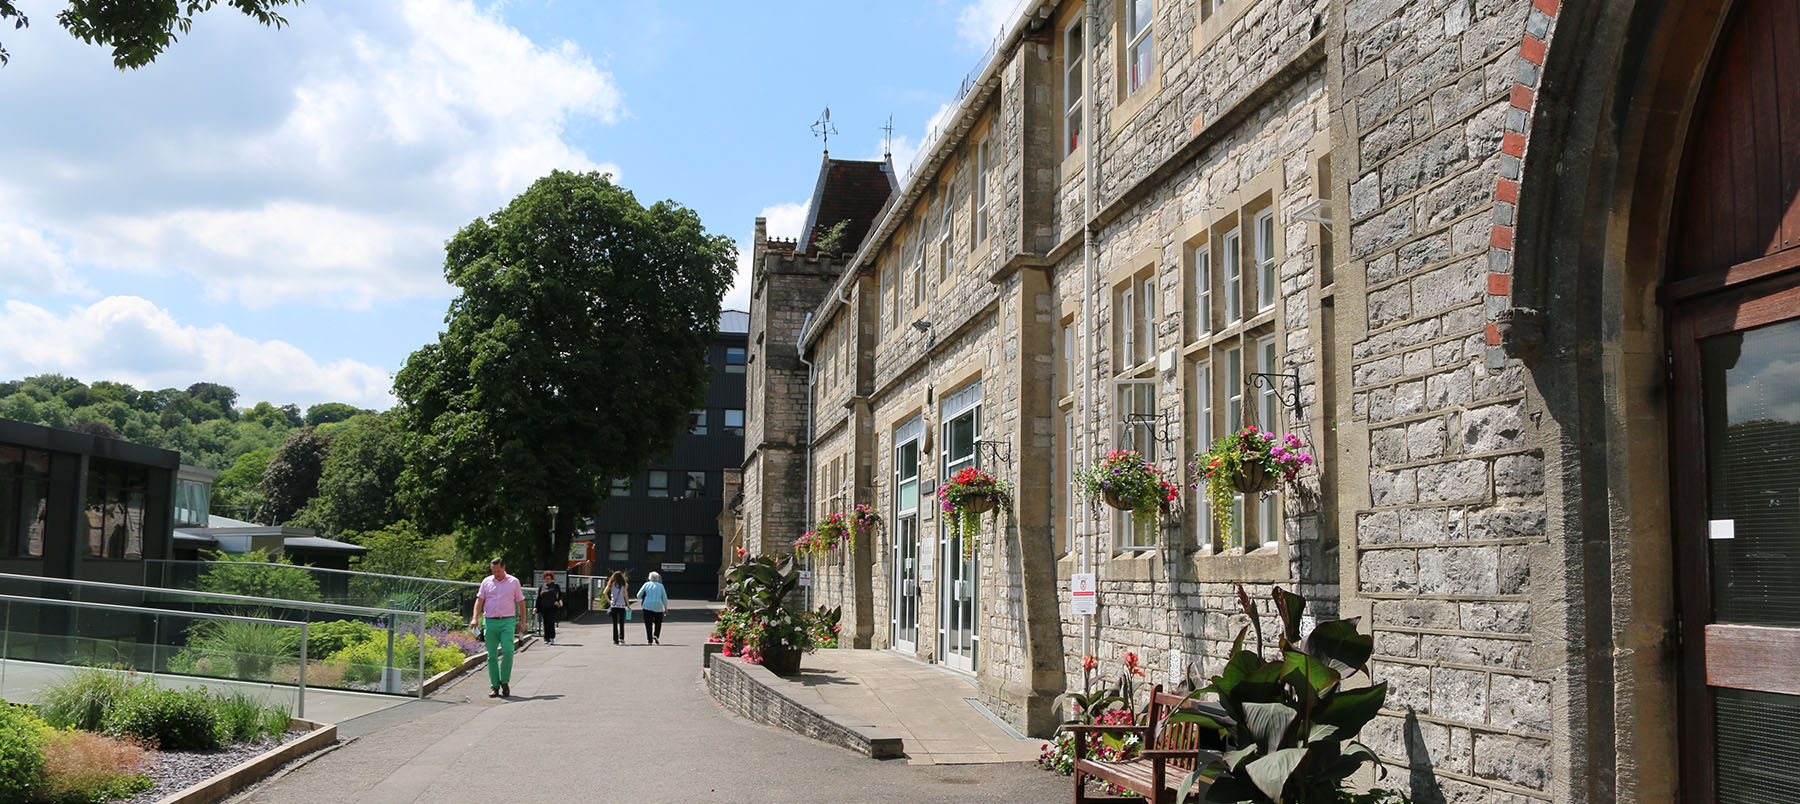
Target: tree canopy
pixel 572 354
pixel 292 476
pixel 139 30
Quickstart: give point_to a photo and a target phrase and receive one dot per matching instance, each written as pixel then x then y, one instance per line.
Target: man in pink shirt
pixel 500 611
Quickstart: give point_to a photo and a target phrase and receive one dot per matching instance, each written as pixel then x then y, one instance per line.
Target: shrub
pixel 80 700
pixel 327 638
pixel 234 649
pixel 445 621
pixel 169 719
pixel 362 663
pixel 81 767
pixel 244 574
pixel 243 719
pixel 21 753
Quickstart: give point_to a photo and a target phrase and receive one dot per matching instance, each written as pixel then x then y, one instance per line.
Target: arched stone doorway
pixel 1656 295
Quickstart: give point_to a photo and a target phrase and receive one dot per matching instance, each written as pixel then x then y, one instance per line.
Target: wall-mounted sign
pixel 806 577
pixel 1083 596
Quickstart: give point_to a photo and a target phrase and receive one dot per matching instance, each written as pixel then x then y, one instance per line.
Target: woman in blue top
pixel 655 601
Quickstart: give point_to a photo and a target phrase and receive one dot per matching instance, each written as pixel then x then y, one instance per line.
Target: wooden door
pixel 1733 301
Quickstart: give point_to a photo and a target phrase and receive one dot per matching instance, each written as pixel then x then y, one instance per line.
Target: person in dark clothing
pixel 549 604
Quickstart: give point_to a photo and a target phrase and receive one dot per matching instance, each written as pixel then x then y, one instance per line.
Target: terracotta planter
pixel 1113 499
pixel 1253 478
pixel 980 505
pixel 782 661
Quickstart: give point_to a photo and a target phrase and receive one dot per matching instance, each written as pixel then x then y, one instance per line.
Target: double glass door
pixel 1737 507
pixel 957 632
pixel 905 565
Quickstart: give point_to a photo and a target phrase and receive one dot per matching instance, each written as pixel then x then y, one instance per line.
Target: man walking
pixel 500 611
pixel 549 599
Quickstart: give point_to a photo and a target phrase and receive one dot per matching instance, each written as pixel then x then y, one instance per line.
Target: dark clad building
pixel 666 519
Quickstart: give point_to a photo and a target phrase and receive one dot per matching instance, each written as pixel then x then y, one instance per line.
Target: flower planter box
pixel 782 661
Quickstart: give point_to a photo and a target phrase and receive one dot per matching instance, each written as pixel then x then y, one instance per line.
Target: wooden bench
pixel 1165 757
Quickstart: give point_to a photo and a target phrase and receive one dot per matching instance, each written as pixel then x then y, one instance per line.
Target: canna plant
pixel 1290 737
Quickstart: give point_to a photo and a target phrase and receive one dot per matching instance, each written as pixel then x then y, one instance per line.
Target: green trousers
pixel 498 631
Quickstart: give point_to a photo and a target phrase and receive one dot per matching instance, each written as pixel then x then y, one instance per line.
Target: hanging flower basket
pixel 1253 478
pixel 1249 462
pixel 1112 498
pixel 968 495
pixel 1128 482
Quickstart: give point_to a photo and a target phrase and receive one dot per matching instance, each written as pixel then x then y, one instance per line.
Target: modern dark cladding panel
pixel 714 453
pixel 65 544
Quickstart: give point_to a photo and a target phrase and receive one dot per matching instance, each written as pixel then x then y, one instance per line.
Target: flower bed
pixel 98 736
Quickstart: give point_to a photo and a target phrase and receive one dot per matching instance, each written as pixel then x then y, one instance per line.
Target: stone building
pixel 1529 271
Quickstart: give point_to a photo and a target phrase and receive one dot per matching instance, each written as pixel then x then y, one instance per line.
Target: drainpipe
pixel 806 448
pixel 1089 165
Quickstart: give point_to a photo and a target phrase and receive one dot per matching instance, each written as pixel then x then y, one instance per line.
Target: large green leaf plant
pixel 1290 735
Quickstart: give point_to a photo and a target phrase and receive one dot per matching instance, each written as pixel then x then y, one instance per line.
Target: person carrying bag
pixel 549 601
pixel 618 604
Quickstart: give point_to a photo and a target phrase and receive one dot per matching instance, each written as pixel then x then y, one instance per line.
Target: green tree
pixel 238 574
pixel 139 30
pixel 573 353
pixel 237 491
pixel 292 476
pixel 329 412
pixel 358 486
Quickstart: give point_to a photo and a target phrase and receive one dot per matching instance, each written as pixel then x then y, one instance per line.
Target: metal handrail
pixel 299 681
pixel 268 602
pixel 302 567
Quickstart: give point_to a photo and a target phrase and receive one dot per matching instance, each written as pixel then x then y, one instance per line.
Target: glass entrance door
pixel 959 586
pixel 905 564
pixel 1738 532
pixel 957 631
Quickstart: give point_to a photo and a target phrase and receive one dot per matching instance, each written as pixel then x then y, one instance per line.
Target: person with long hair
pixel 618 604
pixel 655 601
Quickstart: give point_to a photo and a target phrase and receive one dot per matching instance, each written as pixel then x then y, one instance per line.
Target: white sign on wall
pixel 927 562
pixel 806 577
pixel 1083 595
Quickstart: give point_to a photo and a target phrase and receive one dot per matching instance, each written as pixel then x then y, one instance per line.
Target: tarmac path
pixel 590 721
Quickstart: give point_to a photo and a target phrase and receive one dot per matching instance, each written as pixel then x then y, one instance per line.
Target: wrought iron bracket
pixel 989 452
pixel 1157 424
pixel 1273 383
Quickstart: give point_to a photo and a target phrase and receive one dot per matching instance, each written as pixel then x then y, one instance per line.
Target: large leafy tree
pixel 572 354
pixel 359 481
pixel 139 30
pixel 292 476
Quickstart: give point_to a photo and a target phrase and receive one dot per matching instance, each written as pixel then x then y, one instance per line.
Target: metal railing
pixel 27 654
pixel 969 80
pixel 281 610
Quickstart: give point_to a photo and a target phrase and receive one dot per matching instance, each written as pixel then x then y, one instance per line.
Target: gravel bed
pixel 178 770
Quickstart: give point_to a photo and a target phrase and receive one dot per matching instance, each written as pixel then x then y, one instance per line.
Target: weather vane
pixel 823 129
pixel 887 139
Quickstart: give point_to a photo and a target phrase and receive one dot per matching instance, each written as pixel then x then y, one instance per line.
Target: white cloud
pixel 982 20
pixel 783 221
pixel 128 339
pixel 330 168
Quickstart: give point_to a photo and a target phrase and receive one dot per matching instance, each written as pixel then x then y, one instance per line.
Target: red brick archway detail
pixel 1540 25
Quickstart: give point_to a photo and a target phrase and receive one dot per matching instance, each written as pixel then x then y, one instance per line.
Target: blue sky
pixel 267 209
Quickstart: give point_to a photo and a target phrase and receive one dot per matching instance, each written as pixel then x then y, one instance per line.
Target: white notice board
pixel 1083 596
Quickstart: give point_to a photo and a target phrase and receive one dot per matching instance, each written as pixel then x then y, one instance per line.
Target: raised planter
pixel 783 661
pixel 237 778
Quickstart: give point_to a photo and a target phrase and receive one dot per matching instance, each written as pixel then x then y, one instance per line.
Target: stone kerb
pixel 753 692
pixel 318 735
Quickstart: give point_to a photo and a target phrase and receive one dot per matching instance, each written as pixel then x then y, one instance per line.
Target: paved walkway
pixel 592 721
pixel 932 709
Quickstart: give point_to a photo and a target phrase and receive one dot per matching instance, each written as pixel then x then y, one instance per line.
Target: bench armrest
pixel 1117 728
